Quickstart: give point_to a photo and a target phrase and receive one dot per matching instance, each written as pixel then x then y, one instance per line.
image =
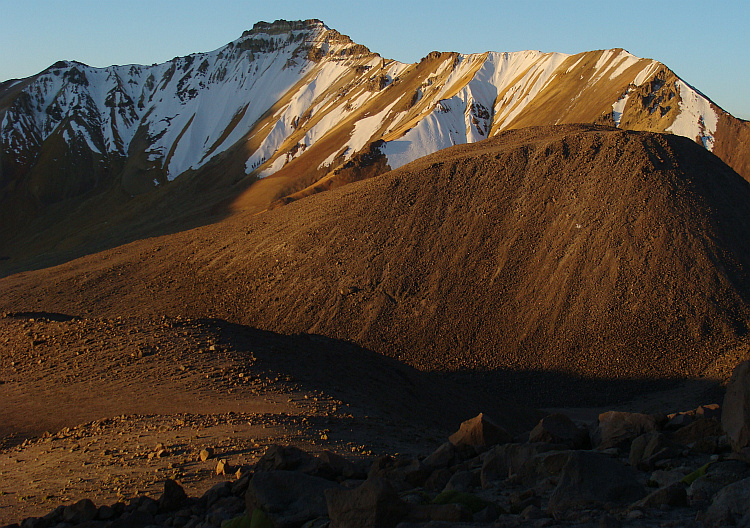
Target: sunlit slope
pixel 587 250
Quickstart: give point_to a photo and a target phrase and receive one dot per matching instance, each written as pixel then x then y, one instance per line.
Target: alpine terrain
pixel 100 155
pixel 522 238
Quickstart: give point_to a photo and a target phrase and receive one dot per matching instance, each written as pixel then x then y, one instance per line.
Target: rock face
pixel 594 480
pixel 735 414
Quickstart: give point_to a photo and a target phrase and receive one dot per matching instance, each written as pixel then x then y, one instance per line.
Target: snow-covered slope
pixel 298 101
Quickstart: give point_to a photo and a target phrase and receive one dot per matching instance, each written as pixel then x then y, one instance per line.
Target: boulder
pixel 287 458
pixel 698 431
pixel 288 498
pixel 173 497
pixel 712 410
pixel 438 479
pixel 593 480
pixel 505 460
pixel 735 413
pixel 463 481
pixel 82 511
pixel 619 429
pixel 374 504
pixel 558 428
pixel 543 466
pixel 333 466
pixel 443 457
pixel 674 495
pixel 730 505
pixel 717 476
pixel 650 448
pixel 402 472
pixel 480 433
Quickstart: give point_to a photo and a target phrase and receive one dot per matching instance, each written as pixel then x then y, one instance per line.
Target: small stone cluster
pixel 626 469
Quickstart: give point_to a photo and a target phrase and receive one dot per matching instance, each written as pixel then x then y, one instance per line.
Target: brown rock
pixel 480 432
pixel 205 454
pixel 222 467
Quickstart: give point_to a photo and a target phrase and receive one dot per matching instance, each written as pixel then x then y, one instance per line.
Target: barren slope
pixel 573 249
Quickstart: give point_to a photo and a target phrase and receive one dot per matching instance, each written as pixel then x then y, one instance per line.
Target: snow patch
pixel 646 73
pixel 697 119
pixel 619 107
pixel 366 128
pixel 626 60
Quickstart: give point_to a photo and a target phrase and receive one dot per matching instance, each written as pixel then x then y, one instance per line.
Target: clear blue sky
pixel 706 43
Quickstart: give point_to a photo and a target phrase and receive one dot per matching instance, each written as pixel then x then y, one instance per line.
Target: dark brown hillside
pixel 580 249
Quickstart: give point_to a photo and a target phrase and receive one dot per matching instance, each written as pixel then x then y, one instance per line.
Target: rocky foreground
pixel 626 469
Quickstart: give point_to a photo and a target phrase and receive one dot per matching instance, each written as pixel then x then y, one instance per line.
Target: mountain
pixel 570 249
pixel 287 110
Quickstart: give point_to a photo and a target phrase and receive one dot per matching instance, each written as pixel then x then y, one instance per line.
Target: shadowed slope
pixel 578 249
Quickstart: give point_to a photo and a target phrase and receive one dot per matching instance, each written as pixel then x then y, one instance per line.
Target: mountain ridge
pixel 293 108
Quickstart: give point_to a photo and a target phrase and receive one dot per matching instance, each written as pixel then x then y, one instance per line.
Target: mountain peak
pixel 281 26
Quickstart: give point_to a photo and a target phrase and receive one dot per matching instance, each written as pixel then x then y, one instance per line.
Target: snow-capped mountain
pixel 300 107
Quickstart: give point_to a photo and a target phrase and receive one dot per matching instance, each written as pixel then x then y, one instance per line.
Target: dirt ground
pixel 108 409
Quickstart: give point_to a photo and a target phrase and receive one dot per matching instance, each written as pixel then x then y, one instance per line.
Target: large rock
pixel 650 448
pixel 543 466
pixel 505 460
pixel 593 480
pixel 334 467
pixel 82 511
pixel 289 498
pixel 173 497
pixel 735 413
pixel 717 476
pixel 480 432
pixel 287 458
pixel 697 432
pixel 374 504
pixel 558 428
pixel 673 495
pixel 730 505
pixel 402 472
pixel 618 429
pixel 443 457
